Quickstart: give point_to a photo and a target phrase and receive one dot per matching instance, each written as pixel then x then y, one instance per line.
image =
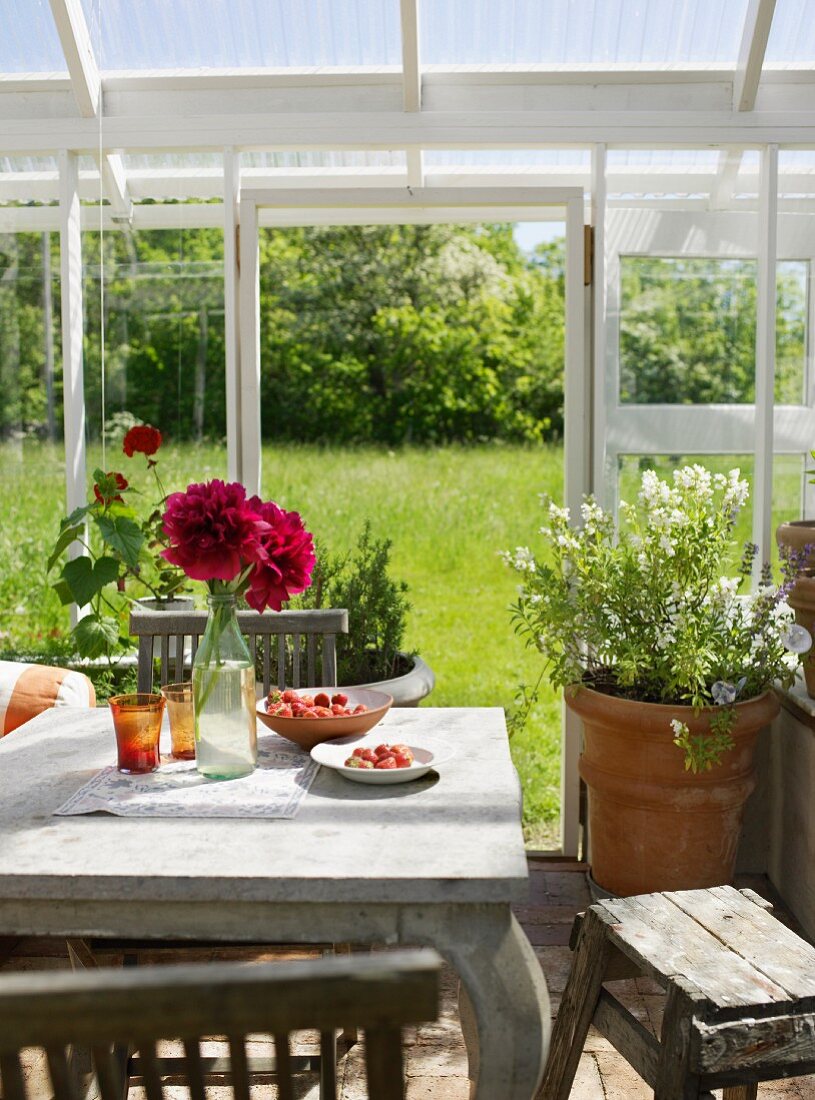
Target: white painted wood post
pixel 599 395
pixel 250 448
pixel 232 313
pixel 765 355
pixel 577 467
pixel 73 402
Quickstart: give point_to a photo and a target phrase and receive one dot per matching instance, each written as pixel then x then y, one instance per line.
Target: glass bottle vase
pixel 223 687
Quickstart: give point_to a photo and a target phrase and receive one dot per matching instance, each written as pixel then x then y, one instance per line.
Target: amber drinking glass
pixel 137 722
pixel 182 720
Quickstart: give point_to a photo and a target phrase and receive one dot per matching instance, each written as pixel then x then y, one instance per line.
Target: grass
pixel 448 511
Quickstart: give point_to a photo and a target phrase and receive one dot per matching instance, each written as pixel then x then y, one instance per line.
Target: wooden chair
pixel 107 1011
pixel 290 648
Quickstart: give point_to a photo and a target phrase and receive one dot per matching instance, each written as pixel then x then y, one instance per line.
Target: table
pixel 437 861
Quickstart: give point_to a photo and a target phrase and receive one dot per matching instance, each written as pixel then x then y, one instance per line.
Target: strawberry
pixel 308 700
pixel 272 699
pixel 358 752
pixel 360 708
pixel 401 749
pixel 339 698
pixel 386 763
pixel 357 762
pixel 321 711
pixel 383 750
pixel 321 700
pixel 338 710
pixel 369 754
pixel 402 761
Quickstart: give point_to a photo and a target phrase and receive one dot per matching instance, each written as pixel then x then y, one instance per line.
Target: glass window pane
pixel 213 34
pixel 32 454
pixel 163 312
pixel 475 32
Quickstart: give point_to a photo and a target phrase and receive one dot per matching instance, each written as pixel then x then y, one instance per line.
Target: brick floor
pixel 435 1058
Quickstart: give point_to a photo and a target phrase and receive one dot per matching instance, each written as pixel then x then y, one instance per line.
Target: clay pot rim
pixel 768 699
pixel 798 524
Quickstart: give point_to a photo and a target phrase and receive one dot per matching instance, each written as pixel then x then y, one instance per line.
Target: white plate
pixel 427 754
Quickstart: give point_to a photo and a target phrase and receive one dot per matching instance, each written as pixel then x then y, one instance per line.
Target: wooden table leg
pixel 674 1080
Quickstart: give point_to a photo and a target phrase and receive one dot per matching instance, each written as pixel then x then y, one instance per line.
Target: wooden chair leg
pixel 741 1092
pixel 577 1008
pixel 674 1079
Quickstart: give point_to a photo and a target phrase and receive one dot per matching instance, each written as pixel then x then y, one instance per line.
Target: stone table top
pixel 451 837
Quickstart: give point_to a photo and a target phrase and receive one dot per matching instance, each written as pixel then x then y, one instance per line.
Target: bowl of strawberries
pixel 309 716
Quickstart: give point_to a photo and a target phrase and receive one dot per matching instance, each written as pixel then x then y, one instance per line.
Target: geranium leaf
pixel 66 537
pixel 85 578
pixel 63 592
pixel 123 536
pixel 95 635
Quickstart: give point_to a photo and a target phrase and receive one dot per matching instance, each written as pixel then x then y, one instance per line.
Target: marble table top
pixel 451 837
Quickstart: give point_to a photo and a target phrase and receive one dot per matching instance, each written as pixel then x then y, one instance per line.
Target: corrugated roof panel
pixel 29 42
pixel 326 159
pixel 502 32
pixel 792 37
pixel 217 34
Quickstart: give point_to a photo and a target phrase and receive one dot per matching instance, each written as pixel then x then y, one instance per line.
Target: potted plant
pixel 796 540
pixel 371 654
pixel 670 668
pixel 116 548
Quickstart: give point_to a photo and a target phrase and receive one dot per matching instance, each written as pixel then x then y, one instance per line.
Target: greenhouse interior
pixel 407 429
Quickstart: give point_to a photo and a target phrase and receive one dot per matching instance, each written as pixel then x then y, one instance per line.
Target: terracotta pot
pixel 797 535
pixel 652 825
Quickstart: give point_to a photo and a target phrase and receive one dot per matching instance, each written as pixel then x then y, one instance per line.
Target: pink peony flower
pixel 288 561
pixel 214 531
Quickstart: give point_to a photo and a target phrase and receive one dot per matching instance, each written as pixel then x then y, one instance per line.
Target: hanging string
pixel 98 12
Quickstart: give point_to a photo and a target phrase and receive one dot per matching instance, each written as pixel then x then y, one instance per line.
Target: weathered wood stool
pixel 740 985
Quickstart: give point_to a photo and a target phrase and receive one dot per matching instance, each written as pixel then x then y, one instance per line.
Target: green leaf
pixel 123 536
pixel 85 578
pixel 95 635
pixel 75 516
pixel 63 591
pixel 66 537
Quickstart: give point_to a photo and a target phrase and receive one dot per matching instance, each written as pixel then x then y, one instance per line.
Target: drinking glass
pixel 137 723
pixel 182 720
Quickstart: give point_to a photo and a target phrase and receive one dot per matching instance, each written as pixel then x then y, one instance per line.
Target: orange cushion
pixel 27 690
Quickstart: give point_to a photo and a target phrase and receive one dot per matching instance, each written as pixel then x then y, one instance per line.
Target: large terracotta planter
pixel 797 536
pixel 653 825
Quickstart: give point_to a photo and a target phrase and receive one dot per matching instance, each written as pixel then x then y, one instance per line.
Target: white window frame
pixel 424 205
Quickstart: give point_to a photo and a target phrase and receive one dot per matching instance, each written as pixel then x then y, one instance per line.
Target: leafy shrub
pixel 377 608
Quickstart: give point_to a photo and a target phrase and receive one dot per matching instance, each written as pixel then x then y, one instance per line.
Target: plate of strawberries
pixel 373 760
pixel 308 716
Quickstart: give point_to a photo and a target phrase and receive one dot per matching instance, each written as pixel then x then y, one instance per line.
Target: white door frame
pixel 423 205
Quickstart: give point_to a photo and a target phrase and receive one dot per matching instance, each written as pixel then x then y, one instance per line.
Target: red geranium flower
pixel 289 558
pixel 121 483
pixel 142 438
pixel 214 533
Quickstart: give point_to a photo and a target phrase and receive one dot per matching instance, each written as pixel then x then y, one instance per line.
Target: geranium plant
pixel 650 613
pixel 116 544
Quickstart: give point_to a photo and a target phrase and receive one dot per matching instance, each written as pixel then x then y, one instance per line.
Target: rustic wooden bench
pixel 740 994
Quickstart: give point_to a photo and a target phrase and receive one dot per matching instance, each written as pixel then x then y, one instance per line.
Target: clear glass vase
pixel 223 686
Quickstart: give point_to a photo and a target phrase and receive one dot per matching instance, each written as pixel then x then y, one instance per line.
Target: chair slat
pixel 108 1073
pixel 285 1086
pixel 165 659
pixel 144 679
pixel 195 1070
pixel 62 1080
pixel 240 1068
pixel 383 1063
pixel 329 659
pixel 149 1070
pixel 281 661
pixel 267 665
pixel 11 1074
pixel 178 670
pixel 295 661
pixel 253 649
pixel 311 659
pixel 194 640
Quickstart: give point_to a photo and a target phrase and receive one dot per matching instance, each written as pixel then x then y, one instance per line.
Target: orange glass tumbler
pixel 182 719
pixel 137 723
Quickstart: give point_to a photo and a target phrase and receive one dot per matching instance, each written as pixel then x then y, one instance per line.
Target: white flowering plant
pixel 648 613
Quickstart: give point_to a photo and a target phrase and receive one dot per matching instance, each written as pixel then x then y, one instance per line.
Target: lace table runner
pixel 276 788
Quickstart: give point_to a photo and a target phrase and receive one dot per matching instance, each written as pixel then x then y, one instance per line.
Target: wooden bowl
pixel 308 732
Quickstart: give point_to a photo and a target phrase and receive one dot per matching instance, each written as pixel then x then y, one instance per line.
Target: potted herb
pixel 371 654
pixel 670 667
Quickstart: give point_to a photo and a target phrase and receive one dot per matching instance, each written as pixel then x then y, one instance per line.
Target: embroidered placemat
pixel 276 788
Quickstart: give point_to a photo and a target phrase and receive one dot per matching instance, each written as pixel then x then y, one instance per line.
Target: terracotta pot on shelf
pixel 653 825
pixel 797 535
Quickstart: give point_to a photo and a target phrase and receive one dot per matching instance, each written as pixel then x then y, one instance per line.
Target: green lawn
pixel 449 511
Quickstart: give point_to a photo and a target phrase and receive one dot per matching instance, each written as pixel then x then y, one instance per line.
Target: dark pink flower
pixel 143 438
pixel 288 560
pixel 214 531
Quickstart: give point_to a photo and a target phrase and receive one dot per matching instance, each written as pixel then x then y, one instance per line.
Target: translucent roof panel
pixel 326 159
pixel 216 34
pixel 792 36
pixel 512 158
pixel 29 42
pixel 518 32
pixel 28 164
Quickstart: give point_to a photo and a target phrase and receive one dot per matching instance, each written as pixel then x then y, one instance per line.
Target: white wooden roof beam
pixel 411 67
pixel 725 187
pixel 757 24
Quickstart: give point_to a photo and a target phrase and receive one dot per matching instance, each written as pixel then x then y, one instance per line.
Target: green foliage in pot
pixel 377 608
pixel 648 612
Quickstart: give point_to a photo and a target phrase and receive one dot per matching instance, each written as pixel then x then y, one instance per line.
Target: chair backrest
pixel 289 648
pixel 107 1010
